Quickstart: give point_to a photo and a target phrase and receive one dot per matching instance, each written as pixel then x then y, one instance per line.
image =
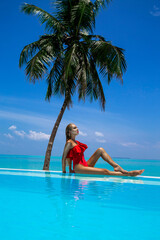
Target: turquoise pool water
pixel 50 205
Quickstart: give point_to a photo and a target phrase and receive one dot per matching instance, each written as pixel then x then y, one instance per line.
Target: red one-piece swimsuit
pixel 77 154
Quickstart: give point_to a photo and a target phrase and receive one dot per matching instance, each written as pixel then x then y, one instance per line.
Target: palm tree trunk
pixel 53 134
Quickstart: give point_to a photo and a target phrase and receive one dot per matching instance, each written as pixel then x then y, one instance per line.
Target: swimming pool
pixel 51 205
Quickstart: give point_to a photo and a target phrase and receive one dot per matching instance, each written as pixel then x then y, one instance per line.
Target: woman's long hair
pixel 68 136
pixel 68 128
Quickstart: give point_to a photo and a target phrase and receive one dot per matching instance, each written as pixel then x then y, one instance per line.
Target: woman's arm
pixel 67 147
pixel 70 166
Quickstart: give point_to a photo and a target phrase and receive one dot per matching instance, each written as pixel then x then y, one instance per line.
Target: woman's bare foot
pixel 135 172
pixel 120 169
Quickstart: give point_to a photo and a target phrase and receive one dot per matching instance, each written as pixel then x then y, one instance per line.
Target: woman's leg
pixel 100 171
pixel 100 152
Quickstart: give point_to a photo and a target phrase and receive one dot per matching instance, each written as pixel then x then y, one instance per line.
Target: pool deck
pixel 148 180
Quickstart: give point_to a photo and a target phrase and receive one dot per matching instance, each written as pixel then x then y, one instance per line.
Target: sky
pixel 128 128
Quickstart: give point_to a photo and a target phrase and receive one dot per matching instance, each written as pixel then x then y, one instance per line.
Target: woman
pixel 74 150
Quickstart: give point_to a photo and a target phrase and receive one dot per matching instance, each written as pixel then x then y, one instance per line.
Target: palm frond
pixel 58 82
pixel 82 70
pixel 82 82
pixel 51 23
pixel 98 92
pixel 70 59
pixel 82 16
pixel 100 3
pixel 37 66
pixel 54 76
pixel 63 12
pixel 110 59
pixel 88 37
pixel 54 41
pixel 28 51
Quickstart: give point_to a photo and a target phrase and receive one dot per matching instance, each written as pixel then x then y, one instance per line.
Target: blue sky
pixel 130 125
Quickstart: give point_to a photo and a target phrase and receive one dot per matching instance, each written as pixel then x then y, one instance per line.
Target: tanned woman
pixel 74 151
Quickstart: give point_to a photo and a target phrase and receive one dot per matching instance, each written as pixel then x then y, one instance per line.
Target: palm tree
pixel 70 57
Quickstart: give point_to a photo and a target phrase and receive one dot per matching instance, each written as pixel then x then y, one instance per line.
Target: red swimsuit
pixel 76 154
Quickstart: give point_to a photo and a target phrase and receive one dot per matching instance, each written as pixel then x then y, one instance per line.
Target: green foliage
pixel 70 57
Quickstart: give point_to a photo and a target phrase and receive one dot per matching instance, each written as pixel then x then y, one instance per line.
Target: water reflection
pixel 72 189
pixel 69 192
pixel 76 200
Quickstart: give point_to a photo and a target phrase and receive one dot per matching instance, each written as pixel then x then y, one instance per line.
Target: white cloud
pixel 8 135
pixel 155 7
pixel 128 144
pixel 99 134
pixel 20 133
pixel 31 135
pixel 13 127
pixel 38 135
pixel 82 133
pixel 156 11
pixel 101 140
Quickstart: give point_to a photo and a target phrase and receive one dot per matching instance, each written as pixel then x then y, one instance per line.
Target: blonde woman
pixel 74 151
